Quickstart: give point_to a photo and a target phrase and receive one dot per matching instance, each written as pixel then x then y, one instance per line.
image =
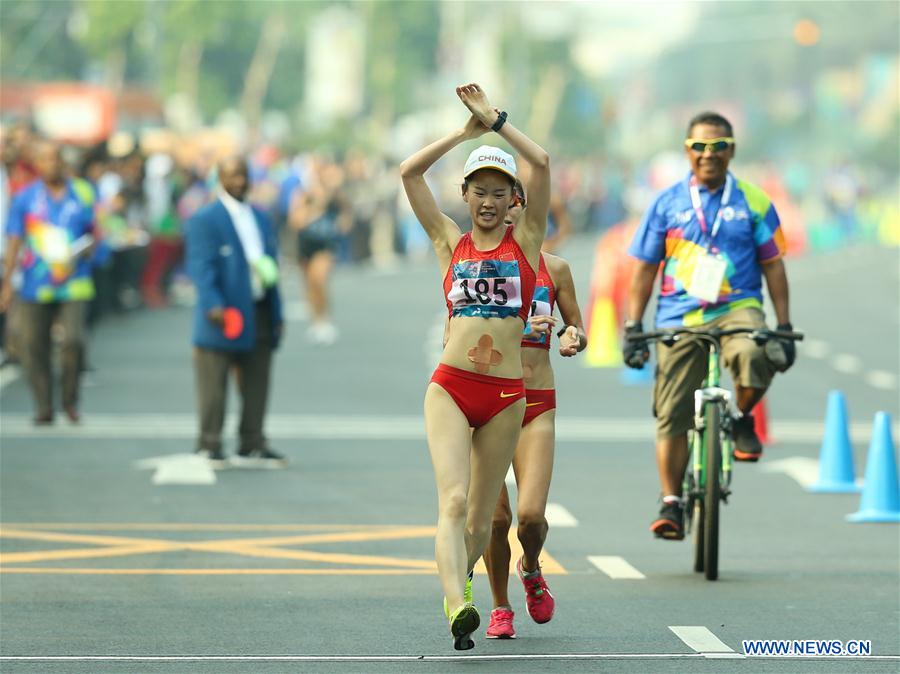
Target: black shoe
pixel 747 446
pixel 670 523
pixel 43 419
pixel 216 457
pixel 264 457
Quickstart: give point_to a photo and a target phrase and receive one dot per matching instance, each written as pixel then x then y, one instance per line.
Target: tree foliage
pixel 35 43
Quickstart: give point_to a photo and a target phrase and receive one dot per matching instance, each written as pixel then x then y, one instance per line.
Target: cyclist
pixel 489 277
pixel 716 237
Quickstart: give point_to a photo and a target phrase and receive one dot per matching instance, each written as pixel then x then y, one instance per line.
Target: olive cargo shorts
pixel 682 367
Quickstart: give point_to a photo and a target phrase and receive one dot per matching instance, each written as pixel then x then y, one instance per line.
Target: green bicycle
pixel 707 477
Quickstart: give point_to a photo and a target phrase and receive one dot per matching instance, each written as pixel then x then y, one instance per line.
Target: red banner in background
pixel 74 113
pixel 71 112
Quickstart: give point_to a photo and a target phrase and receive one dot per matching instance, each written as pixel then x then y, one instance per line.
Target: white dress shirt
pixel 248 232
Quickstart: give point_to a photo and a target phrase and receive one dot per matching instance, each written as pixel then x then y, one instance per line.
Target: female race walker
pixel 533 460
pixel 489 276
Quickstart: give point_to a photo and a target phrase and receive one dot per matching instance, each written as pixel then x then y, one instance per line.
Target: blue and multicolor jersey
pixel 749 235
pixel 48 228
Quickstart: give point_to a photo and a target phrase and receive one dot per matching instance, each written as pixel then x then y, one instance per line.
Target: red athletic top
pixel 542 304
pixel 489 283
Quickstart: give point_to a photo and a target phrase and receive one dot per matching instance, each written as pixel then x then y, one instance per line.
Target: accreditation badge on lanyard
pixel 709 269
pixel 52 239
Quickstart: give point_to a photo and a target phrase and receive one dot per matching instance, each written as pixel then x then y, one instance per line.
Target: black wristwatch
pixel 561 332
pixel 501 120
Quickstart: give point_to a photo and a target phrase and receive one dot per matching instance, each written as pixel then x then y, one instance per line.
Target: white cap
pixel 489 157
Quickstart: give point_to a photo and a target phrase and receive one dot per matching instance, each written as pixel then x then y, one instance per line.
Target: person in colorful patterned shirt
pixel 50 236
pixel 716 237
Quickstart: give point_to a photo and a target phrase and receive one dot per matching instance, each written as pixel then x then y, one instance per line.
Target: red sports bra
pixel 489 283
pixel 542 304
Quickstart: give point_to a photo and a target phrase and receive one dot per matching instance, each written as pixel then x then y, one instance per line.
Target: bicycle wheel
pixel 693 504
pixel 711 496
pixel 699 538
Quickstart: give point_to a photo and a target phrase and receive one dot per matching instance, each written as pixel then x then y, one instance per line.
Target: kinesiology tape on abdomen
pixel 483 355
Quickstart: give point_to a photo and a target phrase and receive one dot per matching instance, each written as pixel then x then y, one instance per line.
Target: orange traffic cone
pixel 761 423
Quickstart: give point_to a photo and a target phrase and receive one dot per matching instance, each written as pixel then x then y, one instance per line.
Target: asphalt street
pixel 115 545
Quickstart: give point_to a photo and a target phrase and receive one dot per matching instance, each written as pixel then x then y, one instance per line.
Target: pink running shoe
pixel 501 626
pixel 538 600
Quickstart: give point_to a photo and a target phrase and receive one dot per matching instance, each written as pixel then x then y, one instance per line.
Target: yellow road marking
pixel 80 553
pixel 218 572
pixel 336 558
pixel 256 547
pixel 347 537
pixel 162 526
pixel 54 537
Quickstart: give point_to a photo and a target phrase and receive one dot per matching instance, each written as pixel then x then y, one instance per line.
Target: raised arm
pixel 533 223
pixel 443 232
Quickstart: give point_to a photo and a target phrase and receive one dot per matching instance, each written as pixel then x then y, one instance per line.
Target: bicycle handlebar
pixel 669 336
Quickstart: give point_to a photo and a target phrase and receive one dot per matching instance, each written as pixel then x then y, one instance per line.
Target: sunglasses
pixel 709 144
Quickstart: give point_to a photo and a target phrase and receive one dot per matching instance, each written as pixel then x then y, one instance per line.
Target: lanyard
pixel 41 203
pixel 698 207
pixel 44 199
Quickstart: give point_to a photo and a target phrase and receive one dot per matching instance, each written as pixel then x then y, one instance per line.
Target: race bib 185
pixel 486 289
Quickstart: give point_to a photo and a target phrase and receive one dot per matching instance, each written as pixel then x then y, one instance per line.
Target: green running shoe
pixel 464 621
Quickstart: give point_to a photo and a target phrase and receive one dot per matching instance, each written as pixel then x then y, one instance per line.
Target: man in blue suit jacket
pixel 232 258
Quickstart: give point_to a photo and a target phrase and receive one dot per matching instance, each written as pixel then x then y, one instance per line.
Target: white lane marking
pixel 882 379
pixel 814 348
pixel 847 363
pixel 369 427
pixel 803 470
pixel 616 567
pixel 359 658
pixel 420 658
pixel 701 639
pixel 179 469
pixel 558 516
pixel 8 375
